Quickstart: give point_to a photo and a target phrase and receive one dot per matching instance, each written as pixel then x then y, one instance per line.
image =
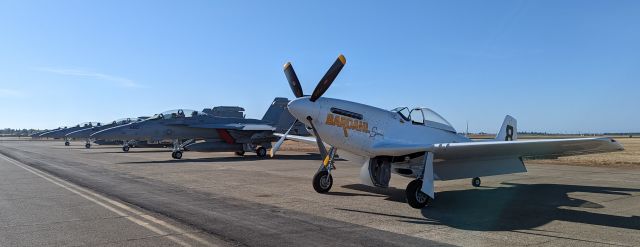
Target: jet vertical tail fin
pixel 509 130
pixel 278 115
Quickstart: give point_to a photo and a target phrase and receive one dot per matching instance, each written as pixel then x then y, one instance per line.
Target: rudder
pixel 508 130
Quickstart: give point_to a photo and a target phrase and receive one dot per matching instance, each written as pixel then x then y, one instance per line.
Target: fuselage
pixel 359 128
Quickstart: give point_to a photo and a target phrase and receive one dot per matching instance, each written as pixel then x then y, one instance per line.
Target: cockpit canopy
pixel 180 113
pixel 124 121
pixel 424 116
pixel 89 124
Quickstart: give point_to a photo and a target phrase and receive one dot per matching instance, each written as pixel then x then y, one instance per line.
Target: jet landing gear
pixel 323 180
pixel 476 182
pixel 176 154
pixel 87 145
pixel 261 152
pixel 67 143
pixel 178 147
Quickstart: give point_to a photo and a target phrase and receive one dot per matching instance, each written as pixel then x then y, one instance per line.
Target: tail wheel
pixel 322 182
pixel 415 197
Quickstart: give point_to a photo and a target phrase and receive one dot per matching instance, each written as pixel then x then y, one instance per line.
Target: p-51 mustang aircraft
pixel 416 143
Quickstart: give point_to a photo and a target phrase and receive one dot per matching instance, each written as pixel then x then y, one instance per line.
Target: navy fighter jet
pixel 62 132
pixel 86 132
pixel 220 134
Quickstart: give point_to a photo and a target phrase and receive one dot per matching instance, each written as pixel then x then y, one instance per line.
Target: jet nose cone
pixel 300 108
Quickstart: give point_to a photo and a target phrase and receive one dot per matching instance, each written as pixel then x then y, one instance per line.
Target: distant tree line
pixel 17 132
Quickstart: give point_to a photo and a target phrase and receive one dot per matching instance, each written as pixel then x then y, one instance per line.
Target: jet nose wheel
pixel 415 197
pixel 322 182
pixel 261 152
pixel 476 182
pixel 240 153
pixel 88 145
pixel 67 143
pixel 177 155
pixel 125 148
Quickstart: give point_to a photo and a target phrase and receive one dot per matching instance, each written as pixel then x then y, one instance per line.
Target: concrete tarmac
pixel 230 200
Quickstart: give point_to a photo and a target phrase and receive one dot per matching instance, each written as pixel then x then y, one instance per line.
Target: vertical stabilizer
pixel 508 130
pixel 278 115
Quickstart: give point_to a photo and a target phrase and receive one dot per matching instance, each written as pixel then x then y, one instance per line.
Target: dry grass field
pixel 630 157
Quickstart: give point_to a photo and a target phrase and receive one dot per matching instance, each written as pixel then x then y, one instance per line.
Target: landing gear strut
pixel 323 180
pixel 125 148
pixel 178 147
pixel 476 182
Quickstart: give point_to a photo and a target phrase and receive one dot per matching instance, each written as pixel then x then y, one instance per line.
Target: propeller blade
pixel 281 140
pixel 294 83
pixel 328 78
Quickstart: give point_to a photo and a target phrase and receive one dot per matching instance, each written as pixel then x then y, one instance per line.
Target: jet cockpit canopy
pixel 89 124
pixel 180 113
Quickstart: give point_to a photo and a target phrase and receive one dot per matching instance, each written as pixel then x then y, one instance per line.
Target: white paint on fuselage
pixel 383 126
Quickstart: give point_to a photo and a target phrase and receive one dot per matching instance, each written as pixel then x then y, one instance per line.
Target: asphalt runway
pixel 221 199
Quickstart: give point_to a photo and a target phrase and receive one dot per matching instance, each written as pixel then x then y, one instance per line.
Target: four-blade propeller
pixel 320 89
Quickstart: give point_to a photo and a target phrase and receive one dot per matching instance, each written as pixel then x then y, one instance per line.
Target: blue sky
pixel 557 66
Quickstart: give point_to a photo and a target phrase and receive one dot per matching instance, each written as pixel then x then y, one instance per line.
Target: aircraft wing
pixel 256 127
pixel 526 148
pixel 305 139
pixel 478 159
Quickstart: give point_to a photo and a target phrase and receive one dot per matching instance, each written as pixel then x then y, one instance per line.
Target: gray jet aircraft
pixel 86 133
pixel 220 134
pixel 62 132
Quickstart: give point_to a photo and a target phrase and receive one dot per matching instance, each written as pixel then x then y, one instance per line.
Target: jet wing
pixel 255 127
pixel 305 139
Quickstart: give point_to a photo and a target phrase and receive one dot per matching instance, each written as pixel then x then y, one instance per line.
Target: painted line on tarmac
pixel 147 220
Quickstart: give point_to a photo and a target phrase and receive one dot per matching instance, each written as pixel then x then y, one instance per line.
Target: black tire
pixel 261 152
pixel 415 197
pixel 125 148
pixel 476 182
pixel 177 155
pixel 321 183
pixel 240 153
pixel 88 145
pixel 67 143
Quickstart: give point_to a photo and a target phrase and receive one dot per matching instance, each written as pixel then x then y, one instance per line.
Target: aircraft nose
pixel 300 108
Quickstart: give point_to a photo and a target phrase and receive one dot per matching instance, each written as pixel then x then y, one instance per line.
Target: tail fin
pixel 509 130
pixel 278 115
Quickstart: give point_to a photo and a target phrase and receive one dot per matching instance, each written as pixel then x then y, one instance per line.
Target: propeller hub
pixel 301 108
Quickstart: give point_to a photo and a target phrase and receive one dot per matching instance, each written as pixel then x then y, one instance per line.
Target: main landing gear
pixel 67 143
pixel 261 152
pixel 125 148
pixel 239 153
pixel 176 154
pixel 415 197
pixel 87 145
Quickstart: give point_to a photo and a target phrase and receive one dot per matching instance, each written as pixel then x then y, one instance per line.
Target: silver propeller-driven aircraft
pixel 220 134
pixel 413 142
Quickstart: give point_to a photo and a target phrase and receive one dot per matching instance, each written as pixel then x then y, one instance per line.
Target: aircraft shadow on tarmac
pixel 308 156
pixel 511 207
